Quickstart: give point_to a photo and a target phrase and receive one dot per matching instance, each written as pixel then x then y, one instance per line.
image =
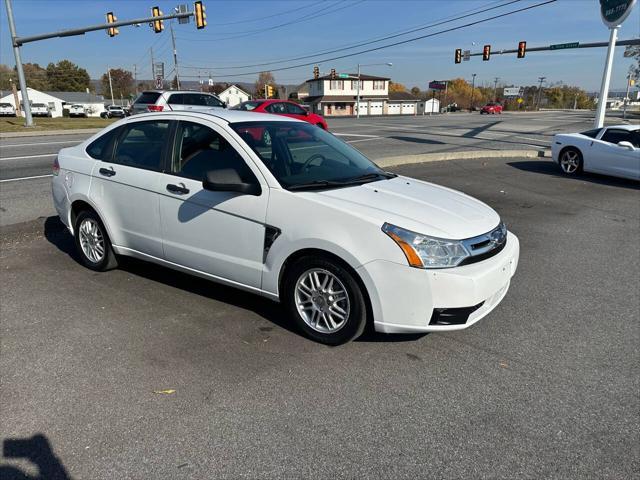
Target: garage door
pixel 408 108
pixel 376 108
pixel 394 109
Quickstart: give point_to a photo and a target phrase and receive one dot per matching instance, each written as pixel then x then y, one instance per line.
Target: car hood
pixel 415 205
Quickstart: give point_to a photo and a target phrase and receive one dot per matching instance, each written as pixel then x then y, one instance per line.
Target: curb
pixel 44 133
pixel 464 155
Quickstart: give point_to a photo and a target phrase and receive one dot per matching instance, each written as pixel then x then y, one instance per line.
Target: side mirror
pixel 627 145
pixel 228 180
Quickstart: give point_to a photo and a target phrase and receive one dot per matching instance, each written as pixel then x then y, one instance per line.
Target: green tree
pixel 459 92
pixel 66 76
pixel 122 82
pixel 35 75
pixel 6 75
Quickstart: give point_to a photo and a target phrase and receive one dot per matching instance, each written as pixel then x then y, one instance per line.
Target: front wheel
pixel 92 242
pixel 325 300
pixel 571 161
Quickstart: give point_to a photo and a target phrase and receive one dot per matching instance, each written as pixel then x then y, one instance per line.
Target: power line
pixel 445 20
pixel 305 18
pixel 402 42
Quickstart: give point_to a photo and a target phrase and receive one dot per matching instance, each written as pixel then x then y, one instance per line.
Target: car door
pixel 124 187
pixel 216 232
pixel 608 157
pixel 201 102
pixel 295 111
pixel 176 102
pixel 279 108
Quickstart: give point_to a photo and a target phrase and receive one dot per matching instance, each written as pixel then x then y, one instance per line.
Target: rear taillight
pixel 155 108
pixel 56 167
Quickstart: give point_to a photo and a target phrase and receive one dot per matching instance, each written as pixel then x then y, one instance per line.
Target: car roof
pixel 178 91
pixel 624 127
pixel 230 116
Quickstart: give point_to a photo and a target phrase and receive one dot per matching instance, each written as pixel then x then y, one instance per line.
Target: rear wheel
pixel 92 242
pixel 571 161
pixel 325 300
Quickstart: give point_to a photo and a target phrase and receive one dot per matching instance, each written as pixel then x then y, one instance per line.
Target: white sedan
pixel 306 220
pixel 613 150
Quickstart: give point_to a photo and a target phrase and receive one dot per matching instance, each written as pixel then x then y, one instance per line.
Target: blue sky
pixel 327 25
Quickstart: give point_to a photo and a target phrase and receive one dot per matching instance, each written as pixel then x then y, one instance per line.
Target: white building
pixel 338 96
pixel 428 107
pixel 234 95
pixel 58 101
pixel 402 103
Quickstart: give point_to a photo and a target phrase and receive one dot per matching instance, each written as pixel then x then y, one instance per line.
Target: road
pixel 25 163
pixel 544 387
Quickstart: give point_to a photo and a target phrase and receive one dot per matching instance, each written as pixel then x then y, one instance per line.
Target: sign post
pixel 613 13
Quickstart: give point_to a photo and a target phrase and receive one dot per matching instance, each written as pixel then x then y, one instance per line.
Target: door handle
pixel 107 172
pixel 177 189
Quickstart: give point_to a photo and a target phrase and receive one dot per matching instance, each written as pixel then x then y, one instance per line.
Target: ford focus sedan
pixel 306 220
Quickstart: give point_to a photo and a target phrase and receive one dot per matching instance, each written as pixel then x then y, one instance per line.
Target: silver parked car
pixel 167 100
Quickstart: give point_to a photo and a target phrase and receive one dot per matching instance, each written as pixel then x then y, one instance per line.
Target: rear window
pixel 4 105
pixel 246 106
pixel 148 97
pixel 591 133
pixel 39 105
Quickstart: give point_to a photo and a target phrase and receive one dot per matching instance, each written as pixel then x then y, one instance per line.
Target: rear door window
pixel 276 108
pixel 176 99
pixel 294 109
pixel 142 145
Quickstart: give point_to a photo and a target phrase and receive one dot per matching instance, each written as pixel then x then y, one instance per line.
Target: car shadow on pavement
pixel 417 140
pixel 37 451
pixel 547 167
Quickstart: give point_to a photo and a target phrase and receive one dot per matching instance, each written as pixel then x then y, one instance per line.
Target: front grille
pixel 486 245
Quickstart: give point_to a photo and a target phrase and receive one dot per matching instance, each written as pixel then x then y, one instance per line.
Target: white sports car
pixel 613 150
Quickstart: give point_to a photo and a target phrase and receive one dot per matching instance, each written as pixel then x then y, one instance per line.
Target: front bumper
pixel 404 298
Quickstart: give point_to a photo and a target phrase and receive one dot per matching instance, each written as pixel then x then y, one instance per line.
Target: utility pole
pixel 16 100
pixel 541 79
pixel 110 85
pixel 358 95
pixel 21 79
pixel 135 78
pixel 495 88
pixel 153 67
pixel 175 56
pixel 473 88
pixel 626 98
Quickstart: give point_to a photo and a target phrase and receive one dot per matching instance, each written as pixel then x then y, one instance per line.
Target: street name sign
pixel 343 75
pixel 560 46
pixel 614 12
pixel 437 85
pixel 466 55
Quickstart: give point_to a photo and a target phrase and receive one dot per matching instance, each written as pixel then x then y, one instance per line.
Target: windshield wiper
pixel 342 183
pixel 369 176
pixel 315 184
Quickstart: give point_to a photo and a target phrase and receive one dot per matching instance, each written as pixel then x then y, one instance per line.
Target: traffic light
pixel 486 53
pixel 316 72
pixel 158 25
pixel 333 74
pixel 112 31
pixel 199 15
pixel 269 90
pixel 458 55
pixel 522 49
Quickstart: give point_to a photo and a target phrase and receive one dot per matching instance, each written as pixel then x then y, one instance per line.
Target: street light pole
pixel 626 98
pixel 495 89
pixel 541 79
pixel 473 88
pixel 358 95
pixel 28 119
pixel 606 78
pixel 110 85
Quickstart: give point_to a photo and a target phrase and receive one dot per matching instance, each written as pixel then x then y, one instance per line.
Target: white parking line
pixel 30 156
pixel 354 135
pixel 365 140
pixel 39 143
pixel 25 178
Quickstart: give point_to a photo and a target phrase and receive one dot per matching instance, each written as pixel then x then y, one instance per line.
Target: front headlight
pixel 427 252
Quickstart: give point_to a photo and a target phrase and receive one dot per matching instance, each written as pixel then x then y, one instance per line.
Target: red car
pixel 491 108
pixel 283 107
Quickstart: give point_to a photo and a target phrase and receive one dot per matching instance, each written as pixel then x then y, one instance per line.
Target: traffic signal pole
pixel 28 119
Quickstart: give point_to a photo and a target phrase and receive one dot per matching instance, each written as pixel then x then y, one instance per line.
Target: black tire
pixel 570 161
pixel 108 261
pixel 356 319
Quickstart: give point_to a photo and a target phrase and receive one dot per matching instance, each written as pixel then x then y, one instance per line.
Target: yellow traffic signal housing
pixel 199 15
pixel 269 92
pixel 158 25
pixel 112 31
pixel 522 49
pixel 486 53
pixel 458 55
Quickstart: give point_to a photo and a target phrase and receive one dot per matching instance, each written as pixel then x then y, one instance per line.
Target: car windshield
pixel 304 157
pixel 5 105
pixel 38 105
pixel 246 106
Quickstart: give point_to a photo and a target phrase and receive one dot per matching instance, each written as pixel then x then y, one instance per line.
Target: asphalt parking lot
pixel 142 372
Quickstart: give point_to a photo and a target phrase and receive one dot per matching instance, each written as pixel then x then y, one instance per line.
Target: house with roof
pixel 337 96
pixel 402 103
pixel 57 102
pixel 233 95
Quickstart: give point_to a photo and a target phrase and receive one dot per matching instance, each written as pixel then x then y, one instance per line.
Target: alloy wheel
pixel 91 240
pixel 570 161
pixel 322 300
